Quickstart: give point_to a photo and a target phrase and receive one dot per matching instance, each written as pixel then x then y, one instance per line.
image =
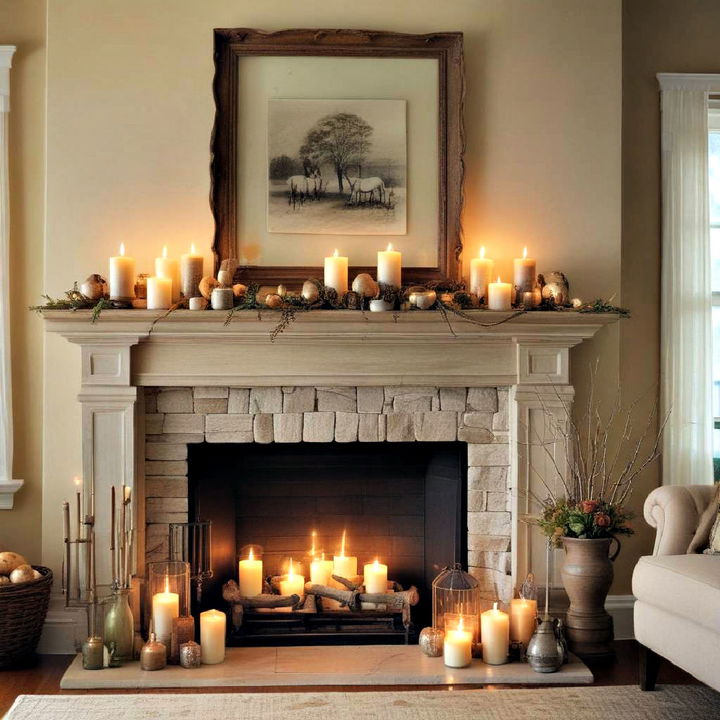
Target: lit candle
pixel 524 275
pixel 122 276
pixel 212 637
pixel 336 273
pixel 165 607
pixel 321 571
pixel 191 273
pixel 480 273
pixel 292 584
pixel 375 577
pixel 389 266
pixel 500 295
pixel 159 293
pixel 522 619
pixel 457 647
pixel 169 268
pixel 344 566
pixel 250 576
pixel 495 636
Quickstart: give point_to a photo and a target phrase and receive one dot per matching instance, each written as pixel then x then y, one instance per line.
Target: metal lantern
pixel 456 594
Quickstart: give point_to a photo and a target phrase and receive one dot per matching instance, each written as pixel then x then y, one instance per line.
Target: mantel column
pixel 540 407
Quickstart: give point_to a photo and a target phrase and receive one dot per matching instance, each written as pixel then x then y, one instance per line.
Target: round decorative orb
pixel 556 288
pixel 239 290
pixel 281 290
pixel 310 291
pixel 190 654
pixel 577 303
pixel 94 288
pixel 423 299
pixel 207 285
pixel 225 278
pixel 431 641
pixel 273 301
pixel 365 286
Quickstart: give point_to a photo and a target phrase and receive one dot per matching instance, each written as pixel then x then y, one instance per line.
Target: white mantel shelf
pixel 331 347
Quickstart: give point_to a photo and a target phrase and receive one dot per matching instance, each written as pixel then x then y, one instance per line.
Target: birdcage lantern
pixel 456 595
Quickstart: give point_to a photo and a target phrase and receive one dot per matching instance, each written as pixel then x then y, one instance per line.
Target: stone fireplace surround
pixel 176 417
pixel 436 377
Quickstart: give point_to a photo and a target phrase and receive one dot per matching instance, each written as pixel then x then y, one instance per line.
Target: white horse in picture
pixel 366 186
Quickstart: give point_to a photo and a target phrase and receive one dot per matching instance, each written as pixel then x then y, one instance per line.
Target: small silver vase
pixel 545 653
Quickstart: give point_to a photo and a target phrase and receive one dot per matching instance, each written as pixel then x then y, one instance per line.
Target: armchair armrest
pixel 675 511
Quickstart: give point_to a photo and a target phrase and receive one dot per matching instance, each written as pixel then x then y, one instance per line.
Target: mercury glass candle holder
pixel 190 655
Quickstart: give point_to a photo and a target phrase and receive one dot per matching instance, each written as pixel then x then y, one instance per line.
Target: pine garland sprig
pixel 603 306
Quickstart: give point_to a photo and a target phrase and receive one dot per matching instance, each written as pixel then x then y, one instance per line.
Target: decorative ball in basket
pixel 24 597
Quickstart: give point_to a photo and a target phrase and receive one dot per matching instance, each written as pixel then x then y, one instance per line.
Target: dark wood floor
pixel 44 678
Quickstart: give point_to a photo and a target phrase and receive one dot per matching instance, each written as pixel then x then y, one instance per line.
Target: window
pixel 714 187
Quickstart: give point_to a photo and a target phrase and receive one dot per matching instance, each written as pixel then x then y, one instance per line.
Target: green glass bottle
pixel 119 626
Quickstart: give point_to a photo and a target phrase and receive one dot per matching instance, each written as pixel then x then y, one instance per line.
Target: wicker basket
pixel 22 613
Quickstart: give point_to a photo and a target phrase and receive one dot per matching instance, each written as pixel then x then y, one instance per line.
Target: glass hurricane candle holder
pixel 456 593
pixel 168 596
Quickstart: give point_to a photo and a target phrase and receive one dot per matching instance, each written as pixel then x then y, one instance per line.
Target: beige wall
pixel 22 23
pixel 130 110
pixel 658 36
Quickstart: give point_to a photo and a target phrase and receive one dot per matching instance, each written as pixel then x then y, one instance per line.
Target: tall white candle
pixel 522 619
pixel 165 607
pixel 481 269
pixel 495 636
pixel 159 293
pixel 389 266
pixel 191 273
pixel 122 276
pixel 457 647
pixel 212 637
pixel 292 584
pixel 250 576
pixel 500 295
pixel 375 577
pixel 321 570
pixel 344 566
pixel 336 273
pixel 524 275
pixel 169 268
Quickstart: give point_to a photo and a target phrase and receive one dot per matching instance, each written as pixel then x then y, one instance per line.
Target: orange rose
pixel 602 520
pixel 589 506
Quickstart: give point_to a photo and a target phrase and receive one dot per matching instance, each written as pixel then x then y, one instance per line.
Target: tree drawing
pixel 342 139
pixel 282 167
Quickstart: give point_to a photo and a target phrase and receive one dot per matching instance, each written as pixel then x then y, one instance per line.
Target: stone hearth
pixel 176 417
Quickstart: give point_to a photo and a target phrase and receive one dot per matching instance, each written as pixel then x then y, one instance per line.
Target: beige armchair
pixel 677 607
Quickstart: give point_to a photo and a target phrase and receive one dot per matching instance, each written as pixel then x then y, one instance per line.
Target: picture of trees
pixel 337 166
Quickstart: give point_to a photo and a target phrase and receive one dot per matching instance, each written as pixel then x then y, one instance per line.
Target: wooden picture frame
pixel 446 48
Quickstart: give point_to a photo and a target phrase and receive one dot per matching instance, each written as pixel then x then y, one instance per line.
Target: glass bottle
pixel 119 627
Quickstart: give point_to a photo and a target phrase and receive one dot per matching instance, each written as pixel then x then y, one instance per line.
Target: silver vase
pixel 545 653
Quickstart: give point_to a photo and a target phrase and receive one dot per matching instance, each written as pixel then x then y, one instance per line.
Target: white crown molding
pixel 709 82
pixel 8 488
pixel 6 54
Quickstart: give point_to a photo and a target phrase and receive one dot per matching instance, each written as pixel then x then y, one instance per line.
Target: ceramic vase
pixel 587 574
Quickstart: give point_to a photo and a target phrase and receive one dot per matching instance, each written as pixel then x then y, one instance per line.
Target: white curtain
pixel 686 297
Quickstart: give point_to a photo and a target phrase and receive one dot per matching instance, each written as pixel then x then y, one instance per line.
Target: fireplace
pixel 402 503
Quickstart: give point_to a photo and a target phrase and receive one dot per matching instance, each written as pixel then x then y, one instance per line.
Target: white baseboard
pixel 64 629
pixel 621 609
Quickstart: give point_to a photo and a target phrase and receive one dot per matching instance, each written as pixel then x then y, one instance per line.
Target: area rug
pixel 669 702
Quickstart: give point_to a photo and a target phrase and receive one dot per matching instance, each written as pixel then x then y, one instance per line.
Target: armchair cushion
pixel 687 586
pixel 707 521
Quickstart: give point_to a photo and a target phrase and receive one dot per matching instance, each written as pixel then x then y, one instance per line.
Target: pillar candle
pixel 500 295
pixel 159 293
pixel 480 273
pixel 212 637
pixel 191 273
pixel 344 566
pixel 336 273
pixel 183 630
pixel 165 607
pixel 320 571
pixel 457 647
pixel 250 576
pixel 495 636
pixel 292 584
pixel 522 619
pixel 524 275
pixel 389 266
pixel 375 577
pixel 169 268
pixel 122 276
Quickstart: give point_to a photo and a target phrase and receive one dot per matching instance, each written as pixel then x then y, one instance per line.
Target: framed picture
pixel 337 139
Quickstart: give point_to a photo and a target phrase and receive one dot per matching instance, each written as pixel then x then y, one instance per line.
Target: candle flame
pixel 377 564
pixel 250 555
pixel 312 549
pixel 389 247
pixel 167 583
pixel 164 251
pixel 290 571
pixel 122 249
pixel 192 248
pixel 336 254
pixel 460 624
pixel 495 606
pixel 322 556
pixel 482 251
pixel 524 252
pixel 499 280
pixel 342 545
pixel 77 480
